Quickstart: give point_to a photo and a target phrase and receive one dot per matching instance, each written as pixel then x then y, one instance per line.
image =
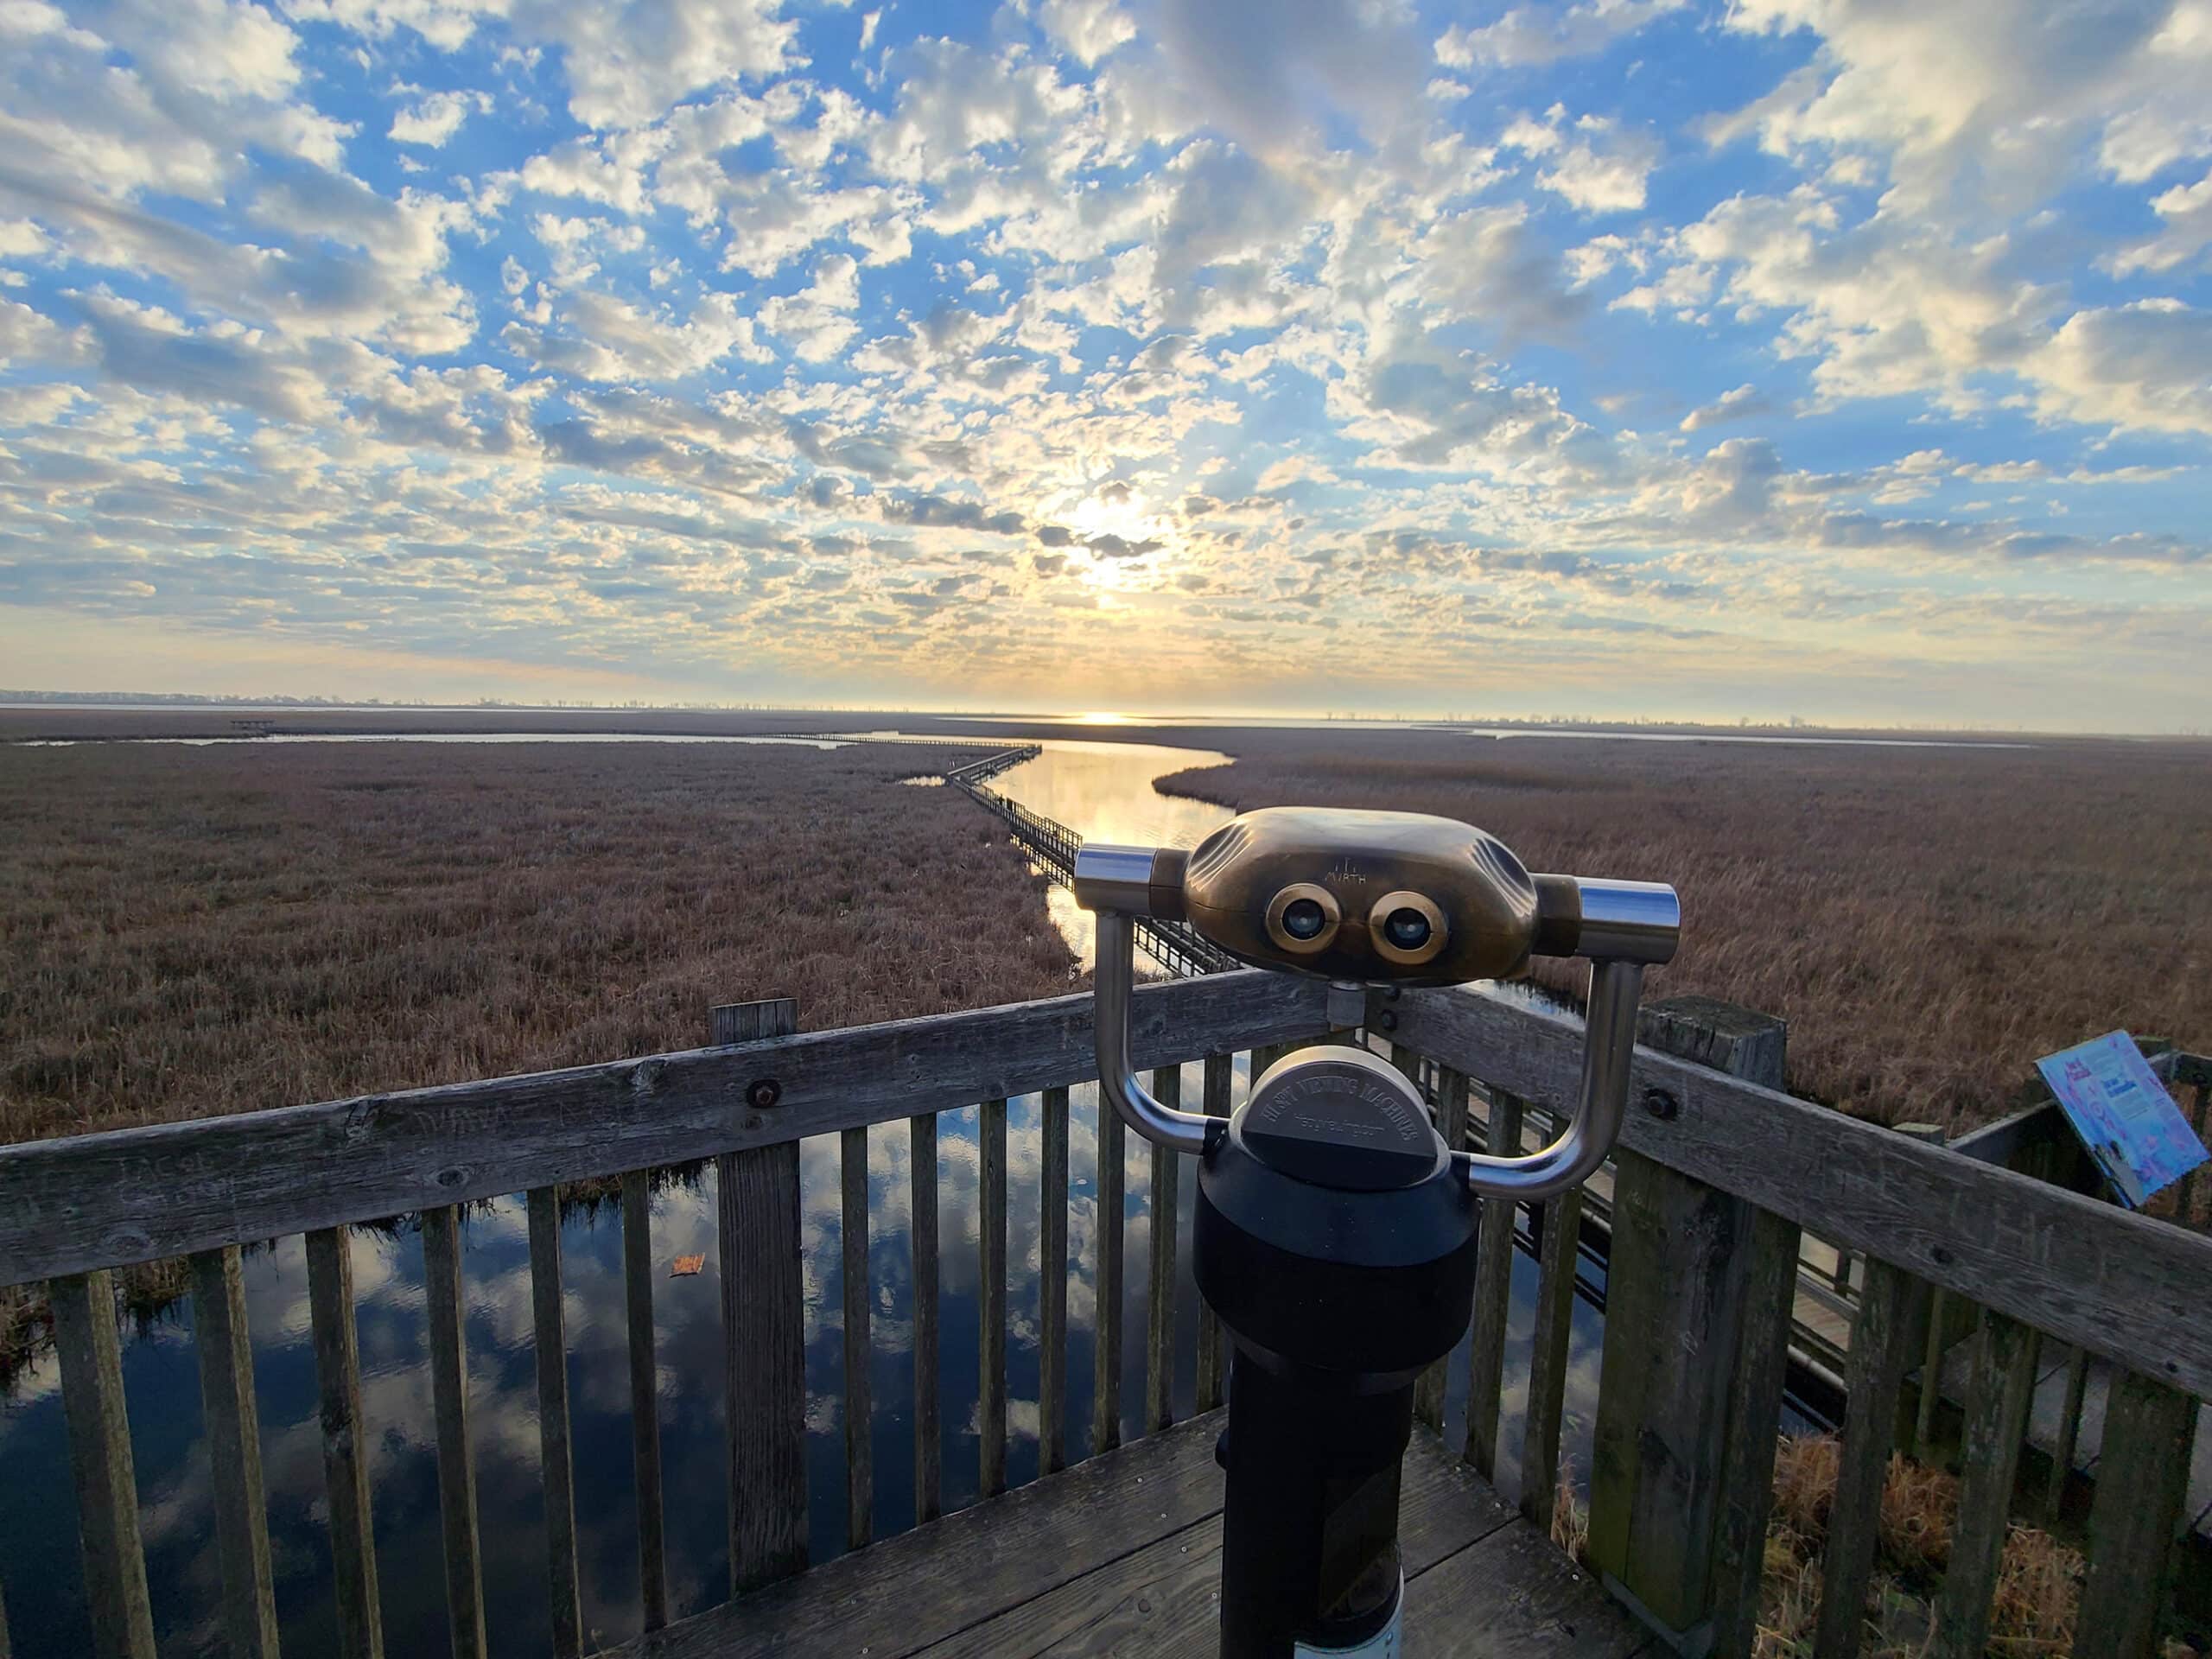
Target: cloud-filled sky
pixel 1845 357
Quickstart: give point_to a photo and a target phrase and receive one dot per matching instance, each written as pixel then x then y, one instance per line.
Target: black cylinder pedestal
pixel 1338 1246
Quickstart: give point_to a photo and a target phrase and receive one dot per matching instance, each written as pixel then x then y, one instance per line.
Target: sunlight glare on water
pixel 1105 791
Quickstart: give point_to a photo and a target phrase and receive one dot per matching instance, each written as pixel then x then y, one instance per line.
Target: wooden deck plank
pixel 1160 1600
pixel 923 1585
pixel 1121 1554
pixel 1513 1596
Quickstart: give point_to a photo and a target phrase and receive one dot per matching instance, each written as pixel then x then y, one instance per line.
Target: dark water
pixel 40 1575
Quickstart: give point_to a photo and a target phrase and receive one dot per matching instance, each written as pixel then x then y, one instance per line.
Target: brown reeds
pixel 2039 1585
pixel 1930 920
pixel 193 931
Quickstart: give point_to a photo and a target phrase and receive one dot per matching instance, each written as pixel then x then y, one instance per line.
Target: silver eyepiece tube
pixel 1114 878
pixel 1111 981
pixel 1608 1055
pixel 1628 921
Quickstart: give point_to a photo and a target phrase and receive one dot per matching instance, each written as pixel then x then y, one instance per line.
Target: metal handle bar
pixel 1608 1052
pixel 1132 1103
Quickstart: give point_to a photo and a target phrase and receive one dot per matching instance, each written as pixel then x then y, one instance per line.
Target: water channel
pixel 1101 789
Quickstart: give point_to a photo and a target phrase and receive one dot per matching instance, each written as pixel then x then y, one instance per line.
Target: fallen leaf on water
pixel 684 1266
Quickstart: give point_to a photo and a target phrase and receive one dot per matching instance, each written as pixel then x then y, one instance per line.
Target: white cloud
pixel 1991 100
pixel 627 61
pixel 1274 75
pixel 438 117
pixel 2146 365
pixel 816 321
pixel 1485 265
pixel 1527 35
pixel 227 50
pixel 2187 211
pixel 612 341
pixel 1089 29
pixel 1740 404
pixel 1608 183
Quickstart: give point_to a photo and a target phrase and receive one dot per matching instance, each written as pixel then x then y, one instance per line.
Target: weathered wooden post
pixel 758 1224
pixel 1699 1289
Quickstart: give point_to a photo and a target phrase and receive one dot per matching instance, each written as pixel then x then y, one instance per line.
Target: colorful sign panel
pixel 2124 1116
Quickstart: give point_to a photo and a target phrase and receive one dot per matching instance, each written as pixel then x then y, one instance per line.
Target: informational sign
pixel 2124 1116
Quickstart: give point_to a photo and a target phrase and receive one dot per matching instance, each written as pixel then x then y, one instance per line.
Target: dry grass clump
pixel 1929 921
pixel 185 931
pixel 2039 1583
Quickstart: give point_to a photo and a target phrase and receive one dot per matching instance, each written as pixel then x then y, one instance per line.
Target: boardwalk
pixel 1120 1556
pixel 1174 945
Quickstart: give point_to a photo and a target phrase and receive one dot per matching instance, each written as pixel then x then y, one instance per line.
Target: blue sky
pixel 1819 357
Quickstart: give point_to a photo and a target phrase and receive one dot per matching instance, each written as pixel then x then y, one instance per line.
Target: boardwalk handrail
pixel 2123 1285
pixel 84 1202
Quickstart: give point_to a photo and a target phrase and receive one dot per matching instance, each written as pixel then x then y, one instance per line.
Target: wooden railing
pixel 72 1210
pixel 1717 1177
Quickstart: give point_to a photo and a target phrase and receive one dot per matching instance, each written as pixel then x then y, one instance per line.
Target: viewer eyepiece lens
pixel 1302 919
pixel 1407 928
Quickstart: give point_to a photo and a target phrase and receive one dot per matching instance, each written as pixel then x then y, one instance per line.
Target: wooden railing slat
pixel 758 1226
pixel 2142 1483
pixel 1160 1260
pixel 1452 1124
pixel 1106 1278
pixel 1756 1385
pixel 1052 1286
pixel 80 1202
pixel 7 1651
pixel 241 1501
pixel 100 1457
pixel 446 1318
pixel 992 1312
pixel 645 1395
pixel 1548 1360
pixel 859 1342
pixel 1493 1295
pixel 1998 1237
pixel 765 1345
pixel 557 1465
pixel 1213 1347
pixel 344 1455
pixel 1998 1399
pixel 929 1452
pixel 1873 1380
pixel 2070 1433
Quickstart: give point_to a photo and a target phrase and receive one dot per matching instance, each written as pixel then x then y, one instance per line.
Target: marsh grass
pixel 1929 921
pixel 196 930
